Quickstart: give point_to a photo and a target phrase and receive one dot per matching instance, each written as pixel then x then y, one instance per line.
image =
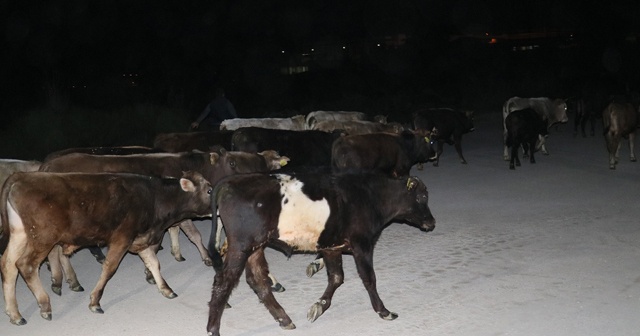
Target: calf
pixel 213 166
pixel 388 154
pixel 316 213
pixel 523 129
pixel 619 120
pixel 125 212
pixel 449 124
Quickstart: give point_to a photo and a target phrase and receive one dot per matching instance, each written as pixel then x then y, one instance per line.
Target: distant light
pixel 344 48
pixel 486 34
pixel 313 49
pixel 493 40
pixel 378 44
pixel 283 51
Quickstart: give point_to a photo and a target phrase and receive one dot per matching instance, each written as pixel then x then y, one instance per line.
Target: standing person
pixel 218 110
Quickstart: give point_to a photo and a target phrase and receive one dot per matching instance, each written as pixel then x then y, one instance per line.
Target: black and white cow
pixel 552 111
pixel 325 214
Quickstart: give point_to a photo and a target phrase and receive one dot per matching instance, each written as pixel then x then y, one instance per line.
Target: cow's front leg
pixel 363 256
pixel 505 155
pixel 335 277
pixel 223 283
pixel 315 266
pixel 542 144
pixel 114 255
pixel 174 235
pixel 9 270
pixel 195 237
pixel 632 152
pixel 151 263
pixel 257 272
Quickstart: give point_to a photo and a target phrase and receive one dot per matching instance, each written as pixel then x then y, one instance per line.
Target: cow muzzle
pixel 428 225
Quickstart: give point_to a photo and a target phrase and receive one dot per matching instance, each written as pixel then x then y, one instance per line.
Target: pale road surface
pixel 549 249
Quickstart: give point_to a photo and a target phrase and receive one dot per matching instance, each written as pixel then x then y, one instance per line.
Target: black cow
pixel 304 148
pixel 187 141
pixel 388 154
pixel 316 213
pixel 449 126
pixel 583 114
pixel 523 128
pixel 620 120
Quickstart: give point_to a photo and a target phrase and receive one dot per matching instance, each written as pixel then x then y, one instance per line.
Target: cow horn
pixel 411 183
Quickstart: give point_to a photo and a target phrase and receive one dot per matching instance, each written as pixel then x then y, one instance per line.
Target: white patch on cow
pixel 301 220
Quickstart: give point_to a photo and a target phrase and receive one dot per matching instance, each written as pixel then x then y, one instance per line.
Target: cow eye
pixel 209 191
pixel 232 164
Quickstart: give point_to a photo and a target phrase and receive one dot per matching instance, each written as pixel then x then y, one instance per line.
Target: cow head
pixel 414 205
pixel 559 114
pixel 228 163
pixel 200 190
pixel 273 160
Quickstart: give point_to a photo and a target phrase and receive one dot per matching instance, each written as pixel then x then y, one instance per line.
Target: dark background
pixel 82 73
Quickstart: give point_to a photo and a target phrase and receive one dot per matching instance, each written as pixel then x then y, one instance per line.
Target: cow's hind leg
pixel 257 273
pixel 14 250
pixel 363 256
pixel 223 283
pixel 335 275
pixel 55 266
pixel 532 145
pixel 29 267
pixel 632 151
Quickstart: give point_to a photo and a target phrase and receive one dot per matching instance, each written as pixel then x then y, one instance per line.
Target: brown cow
pixel 213 166
pixel 619 120
pixel 126 212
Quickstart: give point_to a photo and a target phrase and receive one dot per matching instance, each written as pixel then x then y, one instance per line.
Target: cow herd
pixel 308 184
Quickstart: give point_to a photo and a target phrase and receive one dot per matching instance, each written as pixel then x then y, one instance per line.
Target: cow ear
pixel 187 185
pixel 213 158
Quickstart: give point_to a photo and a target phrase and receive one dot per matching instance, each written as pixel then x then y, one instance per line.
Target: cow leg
pixel 97 253
pixel 257 272
pixel 151 263
pixel 113 258
pixel 514 157
pixel 436 163
pixel 632 152
pixel 55 266
pixel 458 145
pixel 315 266
pixel 363 256
pixel 542 145
pixel 335 278
pixel 505 155
pixel 14 250
pixel 70 273
pixel 223 284
pixel 28 265
pixel 174 233
pixel 194 236
pixel 532 145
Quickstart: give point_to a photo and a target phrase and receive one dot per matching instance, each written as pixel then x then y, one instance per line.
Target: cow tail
pixel 4 219
pixel 214 254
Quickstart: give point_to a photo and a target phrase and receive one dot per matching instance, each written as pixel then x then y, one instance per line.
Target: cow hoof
pixel 151 281
pixel 99 258
pixel 312 269
pixel 278 288
pixel 633 160
pixel 97 309
pixel 57 290
pixel 19 322
pixel 545 153
pixel 315 311
pixel 180 258
pixel 207 262
pixel 289 326
pixel 46 315
pixel 612 167
pixel 435 164
pixel 171 295
pixel 390 317
pixel 76 288
pixel 463 162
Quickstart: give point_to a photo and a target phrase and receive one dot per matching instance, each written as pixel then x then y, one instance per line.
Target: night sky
pixel 82 53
